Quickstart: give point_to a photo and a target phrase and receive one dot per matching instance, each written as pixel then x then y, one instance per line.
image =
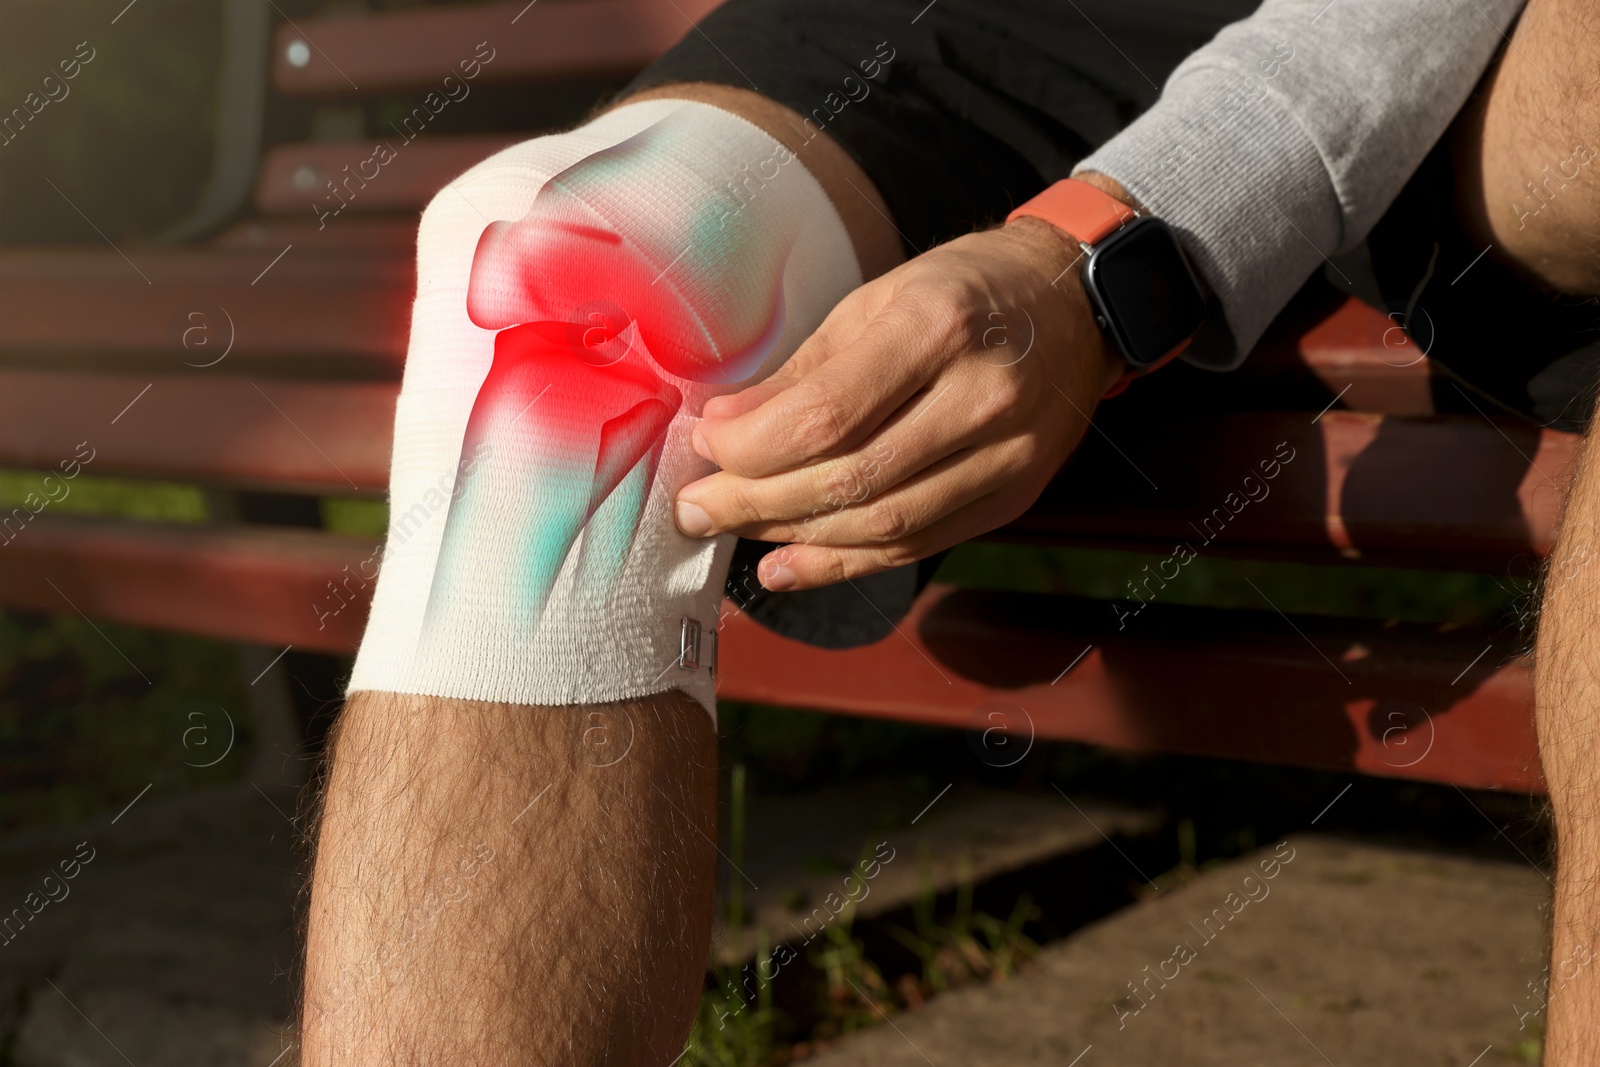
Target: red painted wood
pixel 343 292
pixel 311 437
pixel 387 236
pixel 1430 492
pixel 315 301
pixel 1399 701
pixel 295 177
pixel 1341 694
pixel 1433 492
pixel 270 585
pixel 1365 357
pixel 544 41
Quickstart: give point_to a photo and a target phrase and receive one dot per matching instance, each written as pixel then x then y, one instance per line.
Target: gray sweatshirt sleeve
pixel 1285 138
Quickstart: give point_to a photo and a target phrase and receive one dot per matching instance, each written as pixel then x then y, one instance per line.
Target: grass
pixel 89 494
pixel 969 947
pixel 853 990
pixel 355 516
pixel 739 1023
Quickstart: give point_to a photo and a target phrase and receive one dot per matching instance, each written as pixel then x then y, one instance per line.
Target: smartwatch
pixel 1145 298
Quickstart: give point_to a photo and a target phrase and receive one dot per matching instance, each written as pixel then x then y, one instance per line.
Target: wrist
pixel 1143 295
pixel 1057 258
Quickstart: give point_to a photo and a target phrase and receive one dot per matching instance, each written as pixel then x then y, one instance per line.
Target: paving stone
pixel 171 946
pixel 175 940
pixel 799 849
pixel 1352 954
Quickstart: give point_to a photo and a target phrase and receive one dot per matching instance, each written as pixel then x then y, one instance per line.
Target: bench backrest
pixel 268 360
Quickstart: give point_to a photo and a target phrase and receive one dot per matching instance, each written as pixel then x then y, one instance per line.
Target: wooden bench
pixel 94 348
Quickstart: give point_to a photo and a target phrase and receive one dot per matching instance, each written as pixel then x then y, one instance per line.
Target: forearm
pixel 496 883
pixel 1567 701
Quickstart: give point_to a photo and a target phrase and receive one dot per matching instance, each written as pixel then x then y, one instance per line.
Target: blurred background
pixel 182 759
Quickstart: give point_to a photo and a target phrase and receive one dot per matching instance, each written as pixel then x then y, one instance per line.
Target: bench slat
pixel 343 293
pixel 1342 694
pixel 1434 491
pixel 1402 701
pixel 337 305
pixel 236 582
pixel 1439 491
pixel 1364 358
pixel 394 237
pixel 543 41
pixel 294 177
pixel 287 436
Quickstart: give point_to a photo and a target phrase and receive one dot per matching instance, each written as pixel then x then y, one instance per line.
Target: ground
pixel 174 943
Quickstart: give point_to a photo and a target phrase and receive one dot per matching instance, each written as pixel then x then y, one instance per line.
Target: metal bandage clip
pixel 689 647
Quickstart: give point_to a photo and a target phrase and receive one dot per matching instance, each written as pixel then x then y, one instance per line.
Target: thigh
pixel 1497 340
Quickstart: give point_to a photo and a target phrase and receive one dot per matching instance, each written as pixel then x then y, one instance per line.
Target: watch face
pixel 1143 288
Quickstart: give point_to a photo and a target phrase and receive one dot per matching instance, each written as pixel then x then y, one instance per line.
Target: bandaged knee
pixel 579 298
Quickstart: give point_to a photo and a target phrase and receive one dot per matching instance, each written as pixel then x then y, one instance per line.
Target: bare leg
pixel 1530 162
pixel 511 885
pixel 493 884
pixel 1567 679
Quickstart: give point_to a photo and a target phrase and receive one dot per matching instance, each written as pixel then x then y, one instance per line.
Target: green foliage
pixel 969 946
pixel 730 1031
pixel 355 516
pixel 737 1024
pixel 1530 1049
pixel 88 494
pixel 1347 590
pixel 856 994
pixel 92 713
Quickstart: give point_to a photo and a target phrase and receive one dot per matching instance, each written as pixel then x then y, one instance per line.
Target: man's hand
pixel 934 404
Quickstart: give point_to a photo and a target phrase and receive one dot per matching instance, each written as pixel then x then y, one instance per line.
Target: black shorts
pixel 974 105
pixel 959 110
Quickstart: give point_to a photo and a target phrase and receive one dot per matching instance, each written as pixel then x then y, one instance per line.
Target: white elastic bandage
pixel 579 297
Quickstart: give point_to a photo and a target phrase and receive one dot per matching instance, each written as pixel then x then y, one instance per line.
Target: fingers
pixel 908 443
pixel 829 456
pixel 799 566
pixel 873 517
pixel 833 407
pixel 732 405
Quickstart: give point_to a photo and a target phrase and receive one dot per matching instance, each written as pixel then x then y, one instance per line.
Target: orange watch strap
pixel 1129 375
pixel 1087 213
